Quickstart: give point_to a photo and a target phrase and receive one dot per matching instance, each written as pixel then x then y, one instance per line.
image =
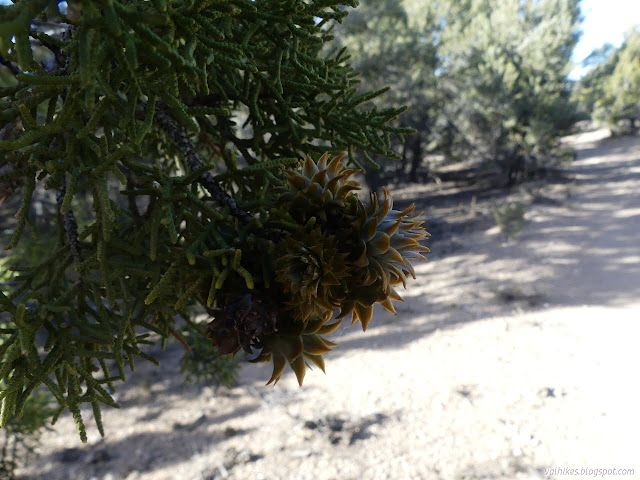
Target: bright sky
pixel 604 21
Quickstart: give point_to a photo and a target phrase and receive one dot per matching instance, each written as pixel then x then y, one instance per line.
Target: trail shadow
pixel 144 451
pixel 141 452
pixel 170 440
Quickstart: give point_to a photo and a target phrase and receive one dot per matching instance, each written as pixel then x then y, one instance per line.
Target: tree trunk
pixel 402 168
pixel 416 159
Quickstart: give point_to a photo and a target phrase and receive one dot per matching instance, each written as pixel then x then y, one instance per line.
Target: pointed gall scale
pixel 279 363
pixel 299 368
pixel 317 360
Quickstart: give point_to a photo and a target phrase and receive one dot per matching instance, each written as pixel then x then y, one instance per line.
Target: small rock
pixel 464 391
pixel 202 419
pixel 549 392
pixel 310 424
pixel 360 431
pixel 358 434
pixel 235 457
pixel 335 423
pixel 230 432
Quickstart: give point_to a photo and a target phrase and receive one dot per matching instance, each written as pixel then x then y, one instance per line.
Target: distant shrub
pixel 21 436
pixel 201 364
pixel 510 217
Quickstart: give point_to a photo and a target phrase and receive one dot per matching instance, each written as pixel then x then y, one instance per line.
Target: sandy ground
pixel 508 358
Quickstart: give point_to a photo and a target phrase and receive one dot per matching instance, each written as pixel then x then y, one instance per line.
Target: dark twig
pixel 55 49
pixel 194 162
pixel 70 226
pixel 204 100
pixel 10 65
pixel 65 35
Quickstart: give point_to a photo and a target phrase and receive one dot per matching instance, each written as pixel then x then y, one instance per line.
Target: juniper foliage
pixel 173 121
pixel 20 437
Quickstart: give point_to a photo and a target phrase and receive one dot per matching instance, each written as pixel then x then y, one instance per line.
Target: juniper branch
pixel 193 160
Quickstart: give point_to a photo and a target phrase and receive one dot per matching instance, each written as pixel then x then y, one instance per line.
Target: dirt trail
pixel 506 359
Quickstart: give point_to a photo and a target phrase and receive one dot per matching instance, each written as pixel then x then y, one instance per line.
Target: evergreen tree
pixel 623 87
pixel 172 134
pixel 485 79
pixel 508 62
pixel 611 90
pixel 396 43
pixel 589 90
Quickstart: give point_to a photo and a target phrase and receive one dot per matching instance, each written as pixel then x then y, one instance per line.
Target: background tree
pixel 392 45
pixel 171 133
pixel 485 79
pixel 588 92
pixel 610 92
